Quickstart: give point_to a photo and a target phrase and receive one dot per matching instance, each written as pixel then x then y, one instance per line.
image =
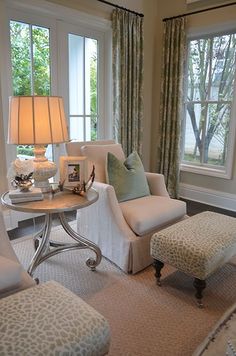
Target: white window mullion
pixel 31 60
pixel 84 91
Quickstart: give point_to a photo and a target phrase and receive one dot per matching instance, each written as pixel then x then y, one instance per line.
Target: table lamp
pixel 38 121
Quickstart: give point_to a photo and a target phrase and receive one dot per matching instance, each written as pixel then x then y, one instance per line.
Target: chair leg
pixel 158 265
pixel 199 284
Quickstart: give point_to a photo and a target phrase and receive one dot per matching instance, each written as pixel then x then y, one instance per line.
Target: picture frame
pixel 73 170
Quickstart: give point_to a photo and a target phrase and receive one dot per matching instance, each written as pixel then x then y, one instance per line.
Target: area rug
pixel 145 320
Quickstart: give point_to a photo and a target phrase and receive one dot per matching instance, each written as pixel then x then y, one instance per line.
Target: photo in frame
pixel 73 170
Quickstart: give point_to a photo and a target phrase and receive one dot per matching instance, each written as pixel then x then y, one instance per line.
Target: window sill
pixel 207 171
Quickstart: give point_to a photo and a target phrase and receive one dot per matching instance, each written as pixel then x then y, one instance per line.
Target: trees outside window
pixel 209 101
pixel 30 60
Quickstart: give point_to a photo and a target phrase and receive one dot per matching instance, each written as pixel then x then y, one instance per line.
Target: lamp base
pixel 43 169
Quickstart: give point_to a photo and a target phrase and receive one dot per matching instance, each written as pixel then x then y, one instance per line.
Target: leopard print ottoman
pixel 48 319
pixel 197 246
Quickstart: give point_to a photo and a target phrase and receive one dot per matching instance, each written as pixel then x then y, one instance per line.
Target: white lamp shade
pixel 36 120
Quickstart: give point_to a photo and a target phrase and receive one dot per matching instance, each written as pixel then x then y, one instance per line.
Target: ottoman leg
pixel 158 265
pixel 199 284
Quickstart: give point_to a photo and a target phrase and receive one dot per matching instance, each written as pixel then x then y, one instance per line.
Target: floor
pixel 196 208
pixel 27 227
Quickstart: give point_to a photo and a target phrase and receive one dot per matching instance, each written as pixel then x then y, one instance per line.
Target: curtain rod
pixel 121 7
pixel 199 11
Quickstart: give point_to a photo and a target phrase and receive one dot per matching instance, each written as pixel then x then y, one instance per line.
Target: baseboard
pixel 208 196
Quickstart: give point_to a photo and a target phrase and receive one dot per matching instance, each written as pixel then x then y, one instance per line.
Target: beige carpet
pixel 145 319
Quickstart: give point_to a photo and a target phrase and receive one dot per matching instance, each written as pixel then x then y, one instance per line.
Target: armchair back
pixel 73 148
pixel 96 153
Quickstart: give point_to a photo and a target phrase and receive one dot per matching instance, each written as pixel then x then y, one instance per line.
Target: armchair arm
pixel 156 184
pixel 107 195
pixel 103 223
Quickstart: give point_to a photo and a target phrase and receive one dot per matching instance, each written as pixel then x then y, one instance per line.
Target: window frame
pixel 207 169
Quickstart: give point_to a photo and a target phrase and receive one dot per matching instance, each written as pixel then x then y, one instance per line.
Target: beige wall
pixel 216 18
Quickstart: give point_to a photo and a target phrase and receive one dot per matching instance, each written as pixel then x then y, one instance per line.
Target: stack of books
pixel 18 196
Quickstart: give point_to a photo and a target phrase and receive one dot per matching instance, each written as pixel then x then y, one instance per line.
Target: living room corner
pixel 117 177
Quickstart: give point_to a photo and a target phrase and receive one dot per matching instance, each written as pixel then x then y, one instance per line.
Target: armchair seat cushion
pixel 10 273
pixel 150 213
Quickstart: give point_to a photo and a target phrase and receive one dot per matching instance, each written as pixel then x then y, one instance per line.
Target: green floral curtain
pixel 174 50
pixel 127 54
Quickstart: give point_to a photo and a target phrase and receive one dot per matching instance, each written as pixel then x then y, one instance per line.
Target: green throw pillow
pixel 128 177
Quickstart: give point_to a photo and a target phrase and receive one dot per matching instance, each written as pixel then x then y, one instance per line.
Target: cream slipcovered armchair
pixel 123 230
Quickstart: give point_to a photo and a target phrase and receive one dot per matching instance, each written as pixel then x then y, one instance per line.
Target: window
pixel 55 57
pixel 85 81
pixel 209 121
pixel 34 51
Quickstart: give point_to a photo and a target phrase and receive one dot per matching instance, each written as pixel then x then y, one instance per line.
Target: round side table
pixel 57 203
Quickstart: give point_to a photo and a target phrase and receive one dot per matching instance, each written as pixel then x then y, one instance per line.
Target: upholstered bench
pixel 48 319
pixel 197 246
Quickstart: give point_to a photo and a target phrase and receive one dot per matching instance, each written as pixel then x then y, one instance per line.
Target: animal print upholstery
pixel 197 246
pixel 50 320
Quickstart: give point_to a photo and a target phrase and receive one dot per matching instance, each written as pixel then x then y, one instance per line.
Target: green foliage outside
pixel 30 64
pixel 196 159
pixel 30 58
pixel 25 150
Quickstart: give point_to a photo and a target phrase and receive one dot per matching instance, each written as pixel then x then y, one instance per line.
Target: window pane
pixel 76 74
pixel 30 58
pixel 198 69
pixel 20 58
pixel 83 86
pixel 41 60
pixel 217 134
pixel 91 76
pixel 223 67
pixel 77 128
pixel 91 128
pixel 194 130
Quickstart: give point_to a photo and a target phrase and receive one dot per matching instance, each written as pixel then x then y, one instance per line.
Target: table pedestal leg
pixel 43 251
pixel 45 233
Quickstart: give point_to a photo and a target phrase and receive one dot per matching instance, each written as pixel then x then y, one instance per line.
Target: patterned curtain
pixel 127 55
pixel 174 51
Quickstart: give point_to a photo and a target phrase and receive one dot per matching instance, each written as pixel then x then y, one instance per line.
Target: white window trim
pixel 224 172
